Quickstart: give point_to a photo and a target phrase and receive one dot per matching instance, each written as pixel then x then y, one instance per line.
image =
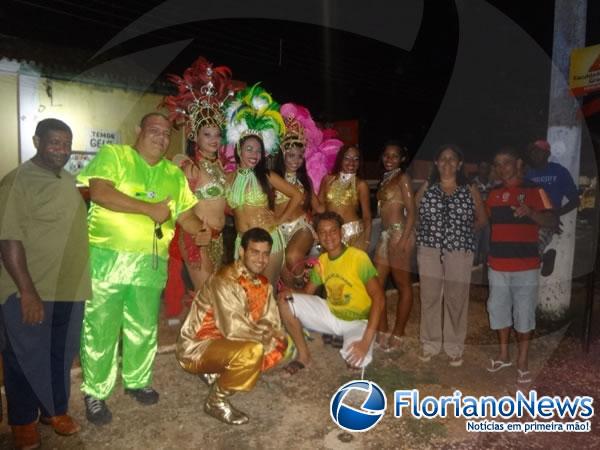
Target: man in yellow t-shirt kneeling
pixel 354 301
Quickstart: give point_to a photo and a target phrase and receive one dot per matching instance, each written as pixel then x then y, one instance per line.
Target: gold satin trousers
pixel 238 363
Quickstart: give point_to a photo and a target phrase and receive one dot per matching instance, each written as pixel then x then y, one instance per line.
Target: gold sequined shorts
pixel 352 231
pixel 384 239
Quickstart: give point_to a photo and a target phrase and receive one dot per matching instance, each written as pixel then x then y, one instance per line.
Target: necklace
pixel 291 177
pixel 387 176
pixel 200 155
pixel 214 171
pixel 346 177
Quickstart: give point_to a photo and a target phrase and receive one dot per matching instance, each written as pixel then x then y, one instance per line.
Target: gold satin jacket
pixel 224 295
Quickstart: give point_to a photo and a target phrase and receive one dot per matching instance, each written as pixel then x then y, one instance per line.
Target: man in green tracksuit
pixel 136 197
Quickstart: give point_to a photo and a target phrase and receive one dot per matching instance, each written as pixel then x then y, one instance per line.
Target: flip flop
pixel 293 368
pixel 524 377
pixel 498 365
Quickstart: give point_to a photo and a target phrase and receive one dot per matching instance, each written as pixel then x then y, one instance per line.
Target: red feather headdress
pixel 202 91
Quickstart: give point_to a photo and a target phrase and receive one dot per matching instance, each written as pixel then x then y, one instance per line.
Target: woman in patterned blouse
pixel 449 212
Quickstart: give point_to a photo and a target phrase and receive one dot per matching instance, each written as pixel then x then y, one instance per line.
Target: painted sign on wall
pixel 97 138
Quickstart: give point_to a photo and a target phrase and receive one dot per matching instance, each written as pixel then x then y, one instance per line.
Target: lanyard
pixel 158 234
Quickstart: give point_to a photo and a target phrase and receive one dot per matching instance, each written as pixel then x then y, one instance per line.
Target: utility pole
pixel 564 135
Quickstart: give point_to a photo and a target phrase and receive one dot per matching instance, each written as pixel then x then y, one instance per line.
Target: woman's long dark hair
pixel 461 178
pixel 190 149
pixel 260 170
pixel 339 158
pixel 301 175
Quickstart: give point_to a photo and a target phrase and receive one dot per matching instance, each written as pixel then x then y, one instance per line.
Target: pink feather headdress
pixel 320 147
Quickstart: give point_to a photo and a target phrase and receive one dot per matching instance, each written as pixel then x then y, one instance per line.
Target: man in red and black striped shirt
pixel 517 209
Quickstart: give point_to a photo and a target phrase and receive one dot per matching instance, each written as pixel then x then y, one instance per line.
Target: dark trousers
pixel 38 359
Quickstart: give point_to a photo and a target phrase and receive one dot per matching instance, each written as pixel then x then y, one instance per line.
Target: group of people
pixel 153 224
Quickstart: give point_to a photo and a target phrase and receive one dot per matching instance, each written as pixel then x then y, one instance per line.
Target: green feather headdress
pixel 254 113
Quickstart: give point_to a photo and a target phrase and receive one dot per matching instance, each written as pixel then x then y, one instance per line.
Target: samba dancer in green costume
pixel 137 196
pixel 254 126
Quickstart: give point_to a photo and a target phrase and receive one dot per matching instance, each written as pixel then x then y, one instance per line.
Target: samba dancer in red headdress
pixel 198 106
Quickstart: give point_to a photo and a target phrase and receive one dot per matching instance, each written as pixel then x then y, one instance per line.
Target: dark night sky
pixel 338 75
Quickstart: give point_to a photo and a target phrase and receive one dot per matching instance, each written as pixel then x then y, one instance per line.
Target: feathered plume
pixel 253 112
pixel 320 161
pixel 201 93
pixel 320 146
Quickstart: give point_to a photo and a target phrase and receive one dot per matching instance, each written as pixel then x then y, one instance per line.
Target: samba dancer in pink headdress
pixel 304 160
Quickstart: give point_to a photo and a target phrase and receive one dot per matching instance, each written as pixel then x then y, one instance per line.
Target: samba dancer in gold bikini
pixel 344 192
pixel 300 138
pixel 396 207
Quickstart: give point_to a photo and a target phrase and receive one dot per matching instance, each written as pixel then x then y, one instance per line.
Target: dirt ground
pixel 294 412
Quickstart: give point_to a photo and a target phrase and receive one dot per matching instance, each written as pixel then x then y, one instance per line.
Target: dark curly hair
pixel 255 235
pixel 402 151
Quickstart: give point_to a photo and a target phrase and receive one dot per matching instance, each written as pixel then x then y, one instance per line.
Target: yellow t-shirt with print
pixel 345 278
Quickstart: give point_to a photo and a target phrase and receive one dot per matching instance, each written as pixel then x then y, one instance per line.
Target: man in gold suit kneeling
pixel 233 331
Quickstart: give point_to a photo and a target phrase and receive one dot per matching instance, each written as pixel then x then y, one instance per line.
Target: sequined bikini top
pixel 216 187
pixel 342 191
pixel 291 178
pixel 246 190
pixel 385 193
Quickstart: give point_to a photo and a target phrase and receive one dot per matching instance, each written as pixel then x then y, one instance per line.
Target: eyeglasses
pixel 351 158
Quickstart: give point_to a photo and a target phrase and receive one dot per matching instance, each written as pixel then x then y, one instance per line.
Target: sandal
pixel 353 368
pixel 395 342
pixel 337 342
pixel 326 338
pixel 382 341
pixel 293 368
pixel 455 361
pixel 498 365
pixel 524 377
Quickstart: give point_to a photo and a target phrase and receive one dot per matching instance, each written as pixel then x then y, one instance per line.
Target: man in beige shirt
pixel 45 279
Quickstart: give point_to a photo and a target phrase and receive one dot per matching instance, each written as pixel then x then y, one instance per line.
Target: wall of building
pixel 9 136
pixel 84 107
